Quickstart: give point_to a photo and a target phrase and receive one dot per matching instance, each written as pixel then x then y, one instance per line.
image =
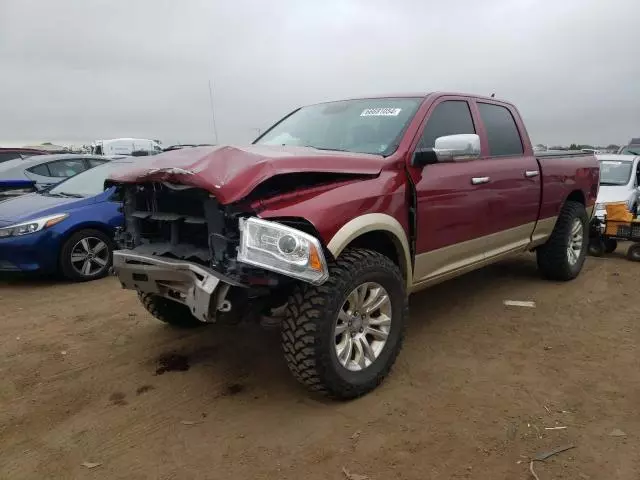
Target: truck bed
pixel 561 153
pixel 561 178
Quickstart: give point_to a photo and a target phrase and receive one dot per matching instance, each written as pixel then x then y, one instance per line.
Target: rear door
pixel 513 191
pixel 451 207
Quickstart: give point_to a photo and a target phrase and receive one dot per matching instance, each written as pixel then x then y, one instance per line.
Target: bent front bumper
pixel 199 288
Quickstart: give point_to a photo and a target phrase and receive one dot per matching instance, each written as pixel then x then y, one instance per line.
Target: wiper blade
pixel 325 148
pixel 67 194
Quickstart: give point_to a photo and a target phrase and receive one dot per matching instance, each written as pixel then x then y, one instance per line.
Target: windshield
pixel 88 183
pixel 630 150
pixel 364 126
pixel 615 173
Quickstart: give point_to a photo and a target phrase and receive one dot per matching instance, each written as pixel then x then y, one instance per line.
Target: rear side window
pixel 66 168
pixel 5 156
pixel 40 170
pixel 451 117
pixel 502 132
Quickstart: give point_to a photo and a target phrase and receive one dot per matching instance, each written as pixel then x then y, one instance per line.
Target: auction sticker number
pixel 380 112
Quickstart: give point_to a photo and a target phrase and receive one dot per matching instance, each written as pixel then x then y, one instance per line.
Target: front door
pixel 452 198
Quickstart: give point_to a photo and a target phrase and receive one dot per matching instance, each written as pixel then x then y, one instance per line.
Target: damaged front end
pixel 180 243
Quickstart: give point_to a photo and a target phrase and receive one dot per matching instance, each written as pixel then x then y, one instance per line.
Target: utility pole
pixel 213 115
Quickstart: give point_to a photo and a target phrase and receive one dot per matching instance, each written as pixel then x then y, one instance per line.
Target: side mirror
pixel 450 148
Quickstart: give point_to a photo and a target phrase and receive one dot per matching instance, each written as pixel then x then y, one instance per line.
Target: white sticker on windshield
pixel 609 162
pixel 380 112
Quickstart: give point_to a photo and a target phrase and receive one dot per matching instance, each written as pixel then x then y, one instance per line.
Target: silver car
pixel 619 182
pixel 42 171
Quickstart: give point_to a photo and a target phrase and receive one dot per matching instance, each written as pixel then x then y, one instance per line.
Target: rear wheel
pixel 633 253
pixel 562 257
pixel 86 255
pixel 342 338
pixel 170 312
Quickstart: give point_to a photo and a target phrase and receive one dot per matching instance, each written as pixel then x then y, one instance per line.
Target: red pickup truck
pixel 338 212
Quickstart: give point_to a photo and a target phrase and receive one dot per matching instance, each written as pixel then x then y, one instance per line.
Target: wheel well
pixel 88 226
pixel 381 242
pixel 576 196
pixel 91 226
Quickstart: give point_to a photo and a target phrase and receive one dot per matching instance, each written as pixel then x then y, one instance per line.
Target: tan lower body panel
pixel 543 231
pixel 454 260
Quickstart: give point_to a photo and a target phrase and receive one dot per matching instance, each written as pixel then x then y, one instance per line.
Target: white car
pixel 619 182
pixel 125 146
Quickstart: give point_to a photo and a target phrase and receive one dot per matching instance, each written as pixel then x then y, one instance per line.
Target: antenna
pixel 493 95
pixel 213 115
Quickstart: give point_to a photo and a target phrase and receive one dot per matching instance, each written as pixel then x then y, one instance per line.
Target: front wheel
pixel 167 311
pixel 342 338
pixel 562 257
pixel 86 255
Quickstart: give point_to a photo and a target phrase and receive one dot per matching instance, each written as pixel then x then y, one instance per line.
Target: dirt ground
pixel 473 393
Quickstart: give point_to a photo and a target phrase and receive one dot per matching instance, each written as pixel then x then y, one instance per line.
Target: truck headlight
pixel 282 249
pixel 32 226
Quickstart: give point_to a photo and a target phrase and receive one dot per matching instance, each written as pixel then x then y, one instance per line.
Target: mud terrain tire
pixel 310 327
pixel 554 260
pixel 169 312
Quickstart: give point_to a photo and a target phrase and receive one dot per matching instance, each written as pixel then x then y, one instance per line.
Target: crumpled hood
pixel 231 173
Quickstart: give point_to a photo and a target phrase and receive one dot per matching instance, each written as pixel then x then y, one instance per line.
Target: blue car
pixel 67 228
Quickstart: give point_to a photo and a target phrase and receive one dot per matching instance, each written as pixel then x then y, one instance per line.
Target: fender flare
pixel 375 222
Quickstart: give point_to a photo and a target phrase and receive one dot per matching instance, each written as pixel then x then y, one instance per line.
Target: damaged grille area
pixel 176 222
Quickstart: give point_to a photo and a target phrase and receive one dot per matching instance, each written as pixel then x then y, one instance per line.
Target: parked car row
pixel 7 154
pixel 41 171
pixel 67 228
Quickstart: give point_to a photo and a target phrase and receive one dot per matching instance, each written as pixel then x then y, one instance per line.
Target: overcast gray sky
pixel 79 70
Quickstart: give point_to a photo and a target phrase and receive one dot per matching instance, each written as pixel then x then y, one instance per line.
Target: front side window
pixel 94 162
pixel 373 125
pixel 502 131
pixel 451 117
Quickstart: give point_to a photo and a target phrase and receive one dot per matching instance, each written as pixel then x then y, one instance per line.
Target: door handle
pixel 531 173
pixel 479 180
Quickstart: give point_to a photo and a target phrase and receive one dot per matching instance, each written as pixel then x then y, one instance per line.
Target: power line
pixel 213 115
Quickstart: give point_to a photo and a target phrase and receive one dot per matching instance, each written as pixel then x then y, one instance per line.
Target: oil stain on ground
pixel 118 398
pixel 144 389
pixel 233 389
pixel 172 362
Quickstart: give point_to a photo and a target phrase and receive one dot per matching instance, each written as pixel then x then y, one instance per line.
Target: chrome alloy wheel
pixel 574 248
pixel 362 327
pixel 89 256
